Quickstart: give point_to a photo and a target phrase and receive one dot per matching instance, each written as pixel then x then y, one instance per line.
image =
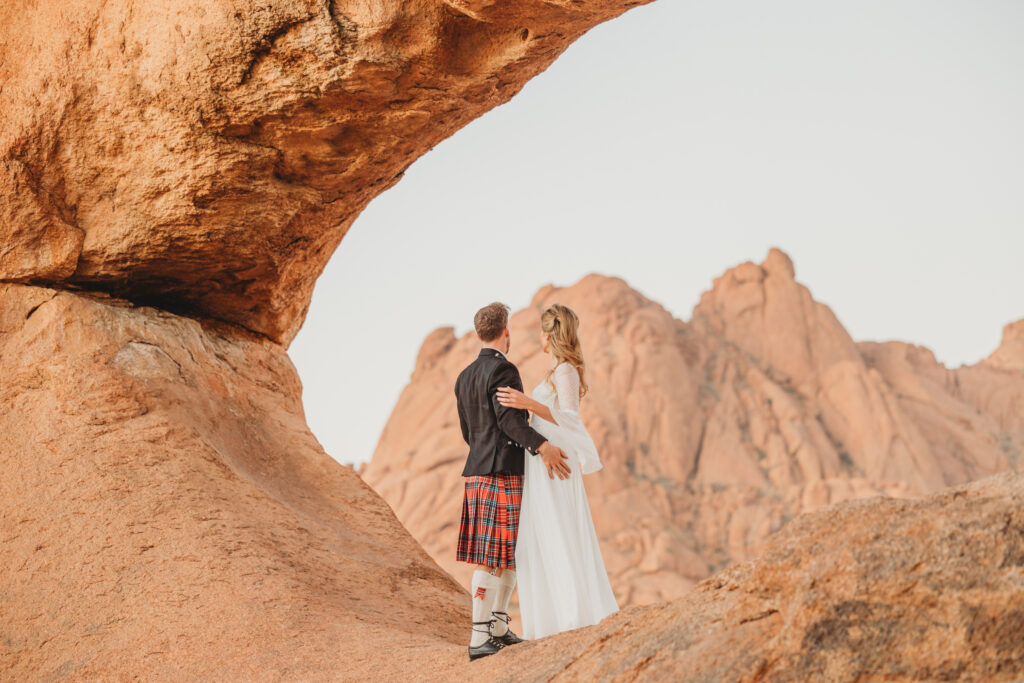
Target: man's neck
pixel 494 348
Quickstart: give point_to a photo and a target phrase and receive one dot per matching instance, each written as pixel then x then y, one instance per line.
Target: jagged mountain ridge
pixel 716 431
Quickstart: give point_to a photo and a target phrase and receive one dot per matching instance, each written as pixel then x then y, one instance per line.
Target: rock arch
pixel 207 158
pixel 174 176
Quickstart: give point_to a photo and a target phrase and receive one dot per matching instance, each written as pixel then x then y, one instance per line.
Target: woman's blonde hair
pixel 562 326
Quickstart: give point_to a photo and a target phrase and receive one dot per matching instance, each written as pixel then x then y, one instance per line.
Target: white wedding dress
pixel 562 580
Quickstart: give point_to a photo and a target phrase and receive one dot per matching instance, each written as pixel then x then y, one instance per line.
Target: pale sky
pixel 878 143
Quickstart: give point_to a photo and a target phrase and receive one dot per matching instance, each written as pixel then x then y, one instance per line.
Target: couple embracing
pixel 525 518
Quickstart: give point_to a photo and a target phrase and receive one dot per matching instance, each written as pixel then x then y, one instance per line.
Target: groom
pixel 496 436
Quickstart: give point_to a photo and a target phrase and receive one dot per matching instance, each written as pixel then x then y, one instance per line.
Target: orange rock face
pixel 208 157
pixel 166 513
pixel 174 176
pixel 714 432
pixel 879 589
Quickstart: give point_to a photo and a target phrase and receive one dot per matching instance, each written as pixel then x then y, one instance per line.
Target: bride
pixel 562 580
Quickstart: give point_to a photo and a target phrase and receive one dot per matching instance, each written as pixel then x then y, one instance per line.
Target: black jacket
pixel 495 433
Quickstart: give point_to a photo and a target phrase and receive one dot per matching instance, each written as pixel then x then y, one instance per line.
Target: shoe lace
pixel 504 616
pixel 483 623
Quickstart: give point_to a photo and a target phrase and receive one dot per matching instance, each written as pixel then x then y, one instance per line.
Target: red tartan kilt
pixel 490 520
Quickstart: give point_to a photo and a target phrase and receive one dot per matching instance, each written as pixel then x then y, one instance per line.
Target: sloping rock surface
pixel 165 512
pixel 878 589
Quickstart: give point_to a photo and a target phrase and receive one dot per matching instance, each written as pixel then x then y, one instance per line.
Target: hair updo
pixel 562 326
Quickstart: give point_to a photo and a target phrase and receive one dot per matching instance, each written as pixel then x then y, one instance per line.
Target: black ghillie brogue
pixel 489 646
pixel 509 638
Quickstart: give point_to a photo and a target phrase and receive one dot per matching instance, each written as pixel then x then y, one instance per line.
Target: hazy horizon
pixel 878 145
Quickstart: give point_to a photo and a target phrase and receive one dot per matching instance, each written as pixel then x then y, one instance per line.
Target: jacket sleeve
pixel 462 415
pixel 512 421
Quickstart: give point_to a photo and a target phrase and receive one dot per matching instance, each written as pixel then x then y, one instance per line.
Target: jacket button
pixel 509 443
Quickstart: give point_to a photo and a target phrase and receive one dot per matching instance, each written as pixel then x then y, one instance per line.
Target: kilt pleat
pixel 490 519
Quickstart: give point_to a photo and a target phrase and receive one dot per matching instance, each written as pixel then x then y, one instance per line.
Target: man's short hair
pixel 490 321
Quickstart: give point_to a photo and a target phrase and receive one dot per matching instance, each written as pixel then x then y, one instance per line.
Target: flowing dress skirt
pixel 562 580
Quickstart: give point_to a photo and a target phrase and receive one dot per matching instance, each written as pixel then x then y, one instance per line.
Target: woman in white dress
pixel 562 580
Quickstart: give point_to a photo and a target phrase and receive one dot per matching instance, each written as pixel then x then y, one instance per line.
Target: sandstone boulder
pixel 166 513
pixel 878 589
pixel 208 157
pixel 173 178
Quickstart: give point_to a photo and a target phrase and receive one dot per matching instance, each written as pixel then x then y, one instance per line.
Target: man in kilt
pixel 493 475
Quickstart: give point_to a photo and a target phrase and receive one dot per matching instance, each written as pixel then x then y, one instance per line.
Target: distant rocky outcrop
pixel 1010 354
pixel 717 431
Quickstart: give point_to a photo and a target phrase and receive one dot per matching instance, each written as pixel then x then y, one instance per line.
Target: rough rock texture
pixel 207 157
pixel 867 590
pixel 164 510
pixel 173 178
pixel 714 432
pixel 166 513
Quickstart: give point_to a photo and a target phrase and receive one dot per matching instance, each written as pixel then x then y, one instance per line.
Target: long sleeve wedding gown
pixel 562 579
